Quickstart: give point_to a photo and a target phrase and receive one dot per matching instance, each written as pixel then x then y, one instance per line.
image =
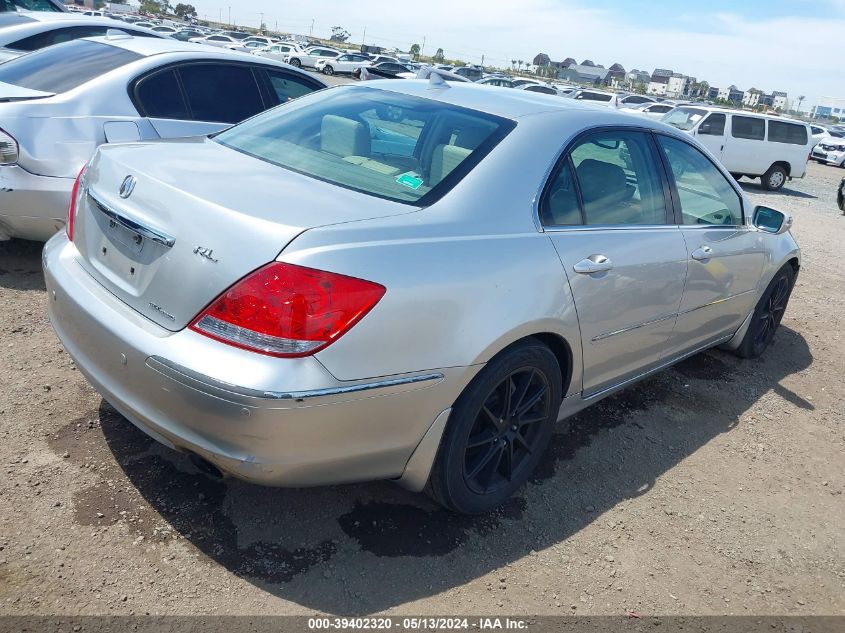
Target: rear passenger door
pixel 606 210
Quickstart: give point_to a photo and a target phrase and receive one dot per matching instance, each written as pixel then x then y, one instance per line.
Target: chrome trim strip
pixel 607 335
pixel 179 374
pixel 611 227
pixel 717 302
pixel 151 234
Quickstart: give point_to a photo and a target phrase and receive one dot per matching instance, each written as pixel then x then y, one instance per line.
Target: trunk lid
pixel 199 217
pixel 11 92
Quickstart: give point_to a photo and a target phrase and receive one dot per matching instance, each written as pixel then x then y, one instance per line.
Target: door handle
pixel 702 254
pixel 593 264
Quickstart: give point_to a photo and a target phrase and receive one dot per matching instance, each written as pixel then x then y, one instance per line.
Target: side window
pixel 782 132
pixel 56 36
pixel 159 96
pixel 287 86
pixel 714 125
pixel 221 92
pixel 559 206
pixel 705 194
pixel 748 127
pixel 618 179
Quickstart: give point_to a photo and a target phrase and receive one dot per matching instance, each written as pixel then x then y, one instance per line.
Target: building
pixel 828 107
pixel 732 94
pixel 659 82
pixel 678 85
pixel 713 93
pixel 752 97
pixel 585 75
pixel 779 101
pixel 616 76
pixel 635 77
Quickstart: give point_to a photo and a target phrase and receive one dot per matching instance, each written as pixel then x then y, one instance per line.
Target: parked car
pixel 310 58
pixel 221 41
pixel 473 73
pixel 12 6
pixel 541 88
pixel 388 69
pixel 651 109
pixel 830 151
pixel 248 46
pixel 501 82
pixel 381 59
pixel 164 30
pixel 280 52
pixel 187 34
pixel 58 104
pixel 521 81
pixel 342 64
pixel 628 101
pixel 333 226
pixel 771 148
pixel 597 97
pixel 266 41
pixel 33 31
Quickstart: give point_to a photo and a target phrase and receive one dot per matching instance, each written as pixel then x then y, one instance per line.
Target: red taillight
pixel 71 210
pixel 287 310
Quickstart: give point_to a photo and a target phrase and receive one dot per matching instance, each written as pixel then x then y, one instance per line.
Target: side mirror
pixel 771 220
pixel 704 128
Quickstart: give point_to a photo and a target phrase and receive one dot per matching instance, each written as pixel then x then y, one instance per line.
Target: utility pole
pixel 364 36
pixel 311 32
pixel 220 21
pixel 261 24
pixel 230 16
pixel 422 48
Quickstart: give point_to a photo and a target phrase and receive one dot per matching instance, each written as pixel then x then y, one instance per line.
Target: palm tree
pixel 519 64
pixel 800 101
pixel 415 50
pixel 513 64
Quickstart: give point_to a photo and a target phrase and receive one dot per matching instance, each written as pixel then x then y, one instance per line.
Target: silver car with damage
pixel 407 280
pixel 59 103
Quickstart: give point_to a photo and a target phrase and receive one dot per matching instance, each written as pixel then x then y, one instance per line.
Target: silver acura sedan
pixel 407 280
pixel 59 103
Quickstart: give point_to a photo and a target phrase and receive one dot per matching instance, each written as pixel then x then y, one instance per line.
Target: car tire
pixel 296 63
pixel 328 70
pixel 768 314
pixel 498 430
pixel 774 178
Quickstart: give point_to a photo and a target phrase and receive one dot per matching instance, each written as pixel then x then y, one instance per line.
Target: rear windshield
pixel 65 66
pixel 27 5
pixel 594 96
pixel 384 144
pixel 684 118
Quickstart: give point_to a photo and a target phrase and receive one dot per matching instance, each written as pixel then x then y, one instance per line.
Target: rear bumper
pixel 272 421
pixel 32 207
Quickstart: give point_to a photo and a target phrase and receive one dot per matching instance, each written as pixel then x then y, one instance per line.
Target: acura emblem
pixel 127 186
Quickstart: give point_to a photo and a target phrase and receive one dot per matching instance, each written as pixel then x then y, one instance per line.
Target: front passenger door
pixel 606 212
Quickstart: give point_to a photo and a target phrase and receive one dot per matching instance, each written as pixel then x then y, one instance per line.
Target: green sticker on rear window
pixel 410 179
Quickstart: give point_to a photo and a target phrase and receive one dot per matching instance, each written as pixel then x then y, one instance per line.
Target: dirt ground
pixel 713 488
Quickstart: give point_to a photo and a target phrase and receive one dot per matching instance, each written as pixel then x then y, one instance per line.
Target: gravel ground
pixel 712 488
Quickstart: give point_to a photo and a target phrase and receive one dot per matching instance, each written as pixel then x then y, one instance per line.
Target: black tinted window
pixel 221 93
pixel 781 132
pixel 28 5
pixel 56 36
pixel 159 96
pixel 636 99
pixel 618 179
pixel 287 86
pixel 65 66
pixel 594 96
pixel 560 204
pixel 714 125
pixel 748 127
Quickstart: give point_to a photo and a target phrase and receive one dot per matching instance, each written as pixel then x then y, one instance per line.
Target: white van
pixel 771 148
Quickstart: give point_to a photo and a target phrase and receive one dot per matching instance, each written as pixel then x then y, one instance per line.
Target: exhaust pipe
pixel 205 466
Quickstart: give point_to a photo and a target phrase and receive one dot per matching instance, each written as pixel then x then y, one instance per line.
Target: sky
pixel 793 46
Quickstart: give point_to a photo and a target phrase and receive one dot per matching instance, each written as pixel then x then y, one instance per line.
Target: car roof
pixel 11 31
pixel 511 104
pixel 762 115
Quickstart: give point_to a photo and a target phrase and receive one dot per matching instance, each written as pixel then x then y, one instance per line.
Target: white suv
pixel 309 58
pixel 344 64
